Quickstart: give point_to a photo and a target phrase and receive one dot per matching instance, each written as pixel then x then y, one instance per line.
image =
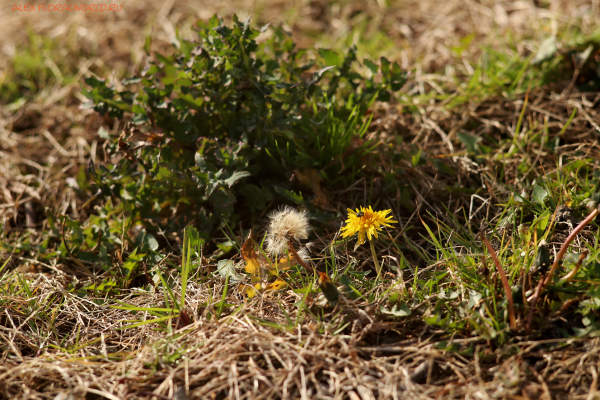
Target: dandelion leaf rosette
pixel 212 114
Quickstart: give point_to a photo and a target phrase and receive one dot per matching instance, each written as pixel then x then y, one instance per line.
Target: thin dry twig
pixel 572 274
pixel 509 299
pixel 566 243
pixel 563 249
pixel 299 259
pixel 594 385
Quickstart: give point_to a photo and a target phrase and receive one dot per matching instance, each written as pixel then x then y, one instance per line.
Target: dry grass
pixel 45 141
pixel 239 357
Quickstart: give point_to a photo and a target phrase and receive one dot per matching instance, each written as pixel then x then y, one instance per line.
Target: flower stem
pixel 299 260
pixel 377 266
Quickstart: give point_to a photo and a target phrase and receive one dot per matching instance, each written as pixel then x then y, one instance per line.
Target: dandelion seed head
pixel 286 224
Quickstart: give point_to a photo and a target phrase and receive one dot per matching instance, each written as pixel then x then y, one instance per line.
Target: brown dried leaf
pixel 254 261
pixel 329 289
pixel 312 179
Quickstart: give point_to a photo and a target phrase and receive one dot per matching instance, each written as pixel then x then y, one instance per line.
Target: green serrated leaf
pixel 145 241
pixel 330 57
pixel 402 311
pixel 226 268
pixel 546 51
pixel 296 198
pixel 236 176
pixel 374 68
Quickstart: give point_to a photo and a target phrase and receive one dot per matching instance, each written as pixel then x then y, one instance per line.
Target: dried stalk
pixel 565 245
pixel 509 299
pixel 299 260
pixel 563 249
pixel 571 274
pixel 532 308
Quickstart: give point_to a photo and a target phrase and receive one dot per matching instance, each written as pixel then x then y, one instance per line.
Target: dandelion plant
pixel 366 223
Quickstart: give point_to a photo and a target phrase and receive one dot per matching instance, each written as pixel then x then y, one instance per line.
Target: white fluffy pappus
pixel 303 254
pixel 286 224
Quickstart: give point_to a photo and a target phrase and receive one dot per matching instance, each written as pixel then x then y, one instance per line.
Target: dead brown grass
pixel 237 356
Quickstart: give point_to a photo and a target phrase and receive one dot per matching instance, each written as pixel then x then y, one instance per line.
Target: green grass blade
pixel 168 317
pixel 223 297
pixel 564 128
pixel 520 121
pixel 169 291
pixel 5 263
pixel 185 265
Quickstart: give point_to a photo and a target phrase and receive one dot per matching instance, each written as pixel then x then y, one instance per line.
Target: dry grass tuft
pixel 238 356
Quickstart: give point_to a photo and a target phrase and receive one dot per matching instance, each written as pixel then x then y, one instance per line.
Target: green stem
pixel 377 266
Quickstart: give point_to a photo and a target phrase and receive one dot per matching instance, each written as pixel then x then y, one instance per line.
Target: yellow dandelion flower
pixel 366 222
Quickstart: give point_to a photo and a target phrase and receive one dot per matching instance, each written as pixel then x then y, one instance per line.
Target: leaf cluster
pixel 215 130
